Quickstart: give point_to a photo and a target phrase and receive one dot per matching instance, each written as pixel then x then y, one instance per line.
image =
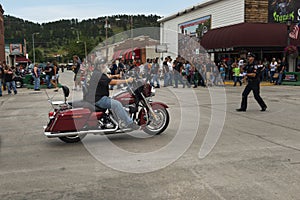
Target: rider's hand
pixel 129 80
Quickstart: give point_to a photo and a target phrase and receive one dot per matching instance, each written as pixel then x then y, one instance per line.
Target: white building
pixel 229 28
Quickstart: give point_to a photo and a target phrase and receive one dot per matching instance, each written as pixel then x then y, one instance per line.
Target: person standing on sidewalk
pixel 236 74
pixel 9 80
pixel 76 70
pixel 281 70
pixel 54 76
pixel 36 76
pixel 252 72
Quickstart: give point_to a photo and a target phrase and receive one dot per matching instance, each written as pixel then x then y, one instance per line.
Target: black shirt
pixel 281 66
pixel 253 68
pixel 178 66
pixel 114 69
pixel 48 70
pixel 77 67
pixel 98 87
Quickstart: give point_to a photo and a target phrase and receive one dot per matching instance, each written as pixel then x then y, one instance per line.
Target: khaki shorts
pixel 208 76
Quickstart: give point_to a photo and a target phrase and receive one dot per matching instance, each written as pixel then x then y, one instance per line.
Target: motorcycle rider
pixel 98 92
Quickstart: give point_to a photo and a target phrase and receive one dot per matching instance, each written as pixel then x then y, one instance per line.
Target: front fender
pixel 154 105
pixel 158 104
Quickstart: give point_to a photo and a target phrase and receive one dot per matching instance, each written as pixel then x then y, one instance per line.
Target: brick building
pixel 2 43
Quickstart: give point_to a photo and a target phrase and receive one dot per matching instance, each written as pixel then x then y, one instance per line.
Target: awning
pixel 127 55
pixel 117 55
pixel 22 60
pixel 248 35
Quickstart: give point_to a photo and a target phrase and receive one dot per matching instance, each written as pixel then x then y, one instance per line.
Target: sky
pixel 43 11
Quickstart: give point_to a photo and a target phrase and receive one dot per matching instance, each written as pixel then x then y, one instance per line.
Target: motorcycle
pixel 72 121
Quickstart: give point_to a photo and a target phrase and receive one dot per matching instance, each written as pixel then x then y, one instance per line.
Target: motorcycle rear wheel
pixel 158 126
pixel 72 139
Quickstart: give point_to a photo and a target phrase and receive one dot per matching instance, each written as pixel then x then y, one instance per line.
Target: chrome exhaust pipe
pixel 79 133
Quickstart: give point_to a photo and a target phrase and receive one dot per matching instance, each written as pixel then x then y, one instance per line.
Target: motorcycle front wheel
pixel 72 139
pixel 158 125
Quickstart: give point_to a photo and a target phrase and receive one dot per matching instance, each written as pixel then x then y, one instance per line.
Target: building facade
pixel 2 43
pixel 229 28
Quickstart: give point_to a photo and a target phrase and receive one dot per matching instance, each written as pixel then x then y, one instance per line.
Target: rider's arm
pixel 118 82
pixel 115 76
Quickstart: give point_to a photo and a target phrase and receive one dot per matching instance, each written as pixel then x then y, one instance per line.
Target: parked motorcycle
pixel 72 121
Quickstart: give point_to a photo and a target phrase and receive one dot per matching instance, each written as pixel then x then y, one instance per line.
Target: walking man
pixel 252 72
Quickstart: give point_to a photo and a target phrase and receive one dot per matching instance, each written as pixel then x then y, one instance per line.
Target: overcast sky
pixel 41 11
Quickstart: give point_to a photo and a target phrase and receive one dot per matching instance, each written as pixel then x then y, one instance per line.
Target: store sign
pixel 220 50
pixel 282 10
pixel 161 48
pixel 15 49
pixel 197 27
pixel 290 77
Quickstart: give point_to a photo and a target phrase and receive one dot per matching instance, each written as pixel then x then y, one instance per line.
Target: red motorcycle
pixel 72 121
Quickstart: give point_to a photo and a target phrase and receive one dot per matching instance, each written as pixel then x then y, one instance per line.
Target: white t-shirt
pixel 273 66
pixel 170 67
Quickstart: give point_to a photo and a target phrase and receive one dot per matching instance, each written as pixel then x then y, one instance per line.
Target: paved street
pixel 257 155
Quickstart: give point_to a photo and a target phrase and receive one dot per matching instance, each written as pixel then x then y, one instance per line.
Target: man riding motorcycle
pixel 98 92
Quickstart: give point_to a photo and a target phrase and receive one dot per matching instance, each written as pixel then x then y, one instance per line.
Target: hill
pixel 65 37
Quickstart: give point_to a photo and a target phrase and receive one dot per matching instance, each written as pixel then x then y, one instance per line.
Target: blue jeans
pixel 265 75
pixel 155 79
pixel 116 107
pixel 279 80
pixel 237 79
pixel 36 82
pixel 271 76
pixel 178 77
pixel 11 85
pixel 166 79
pixel 171 78
pixel 48 83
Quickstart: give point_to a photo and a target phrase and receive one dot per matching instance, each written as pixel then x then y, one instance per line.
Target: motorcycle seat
pixel 85 104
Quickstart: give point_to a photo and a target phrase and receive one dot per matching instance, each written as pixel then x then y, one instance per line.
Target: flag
pixel 294 33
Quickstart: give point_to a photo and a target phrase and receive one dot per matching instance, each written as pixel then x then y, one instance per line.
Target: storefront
pixel 228 29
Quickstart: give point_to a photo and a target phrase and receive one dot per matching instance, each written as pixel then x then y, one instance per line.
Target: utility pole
pixel 106 26
pixel 33 50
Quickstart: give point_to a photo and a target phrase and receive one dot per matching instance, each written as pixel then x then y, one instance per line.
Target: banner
pixel 197 27
pixel 282 10
pixel 16 49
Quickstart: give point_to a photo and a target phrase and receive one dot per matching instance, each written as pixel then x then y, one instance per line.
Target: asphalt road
pixel 255 155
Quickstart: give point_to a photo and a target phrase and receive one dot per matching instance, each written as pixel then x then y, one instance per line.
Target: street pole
pixel 33 50
pixel 106 36
pixel 85 49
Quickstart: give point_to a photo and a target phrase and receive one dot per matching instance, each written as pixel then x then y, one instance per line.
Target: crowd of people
pixel 7 74
pixel 169 72
pixel 158 72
